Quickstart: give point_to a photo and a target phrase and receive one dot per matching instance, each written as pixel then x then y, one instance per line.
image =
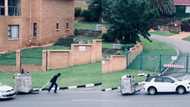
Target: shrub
pixel 108 38
pixel 78 12
pixel 89 16
pixel 65 41
pixel 185 26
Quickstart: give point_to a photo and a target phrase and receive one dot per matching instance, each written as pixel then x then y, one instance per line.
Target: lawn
pixel 187 39
pixel 85 25
pixel 70 76
pixel 107 45
pixel 162 33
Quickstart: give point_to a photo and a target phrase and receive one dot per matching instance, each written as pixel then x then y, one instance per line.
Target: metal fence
pixel 161 63
pixel 8 59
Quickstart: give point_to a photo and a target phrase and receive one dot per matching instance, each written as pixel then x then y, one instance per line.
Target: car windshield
pixel 175 79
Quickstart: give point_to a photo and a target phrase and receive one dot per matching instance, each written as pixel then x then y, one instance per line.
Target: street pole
pixel 160 63
pixel 187 63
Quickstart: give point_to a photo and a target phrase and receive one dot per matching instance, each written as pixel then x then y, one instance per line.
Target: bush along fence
pixel 56 59
pixel 120 62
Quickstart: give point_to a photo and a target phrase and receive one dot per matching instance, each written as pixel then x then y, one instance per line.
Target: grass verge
pixel 187 39
pixel 85 25
pixel 76 75
pixel 162 33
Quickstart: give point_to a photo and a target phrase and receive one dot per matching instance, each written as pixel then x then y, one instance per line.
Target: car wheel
pixel 152 91
pixel 181 90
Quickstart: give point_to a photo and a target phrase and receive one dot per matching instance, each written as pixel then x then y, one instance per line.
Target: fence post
pixel 160 63
pixel 127 57
pixel 187 63
pixel 44 60
pixel 18 60
pixel 141 62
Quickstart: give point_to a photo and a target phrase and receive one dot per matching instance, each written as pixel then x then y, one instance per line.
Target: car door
pixel 169 84
pixel 158 83
pixel 165 84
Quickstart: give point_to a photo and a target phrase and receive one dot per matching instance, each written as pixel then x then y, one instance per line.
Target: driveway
pixel 184 49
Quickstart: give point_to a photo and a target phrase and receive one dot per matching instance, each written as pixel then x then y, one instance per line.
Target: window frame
pixel 57 26
pixel 35 30
pixel 9 32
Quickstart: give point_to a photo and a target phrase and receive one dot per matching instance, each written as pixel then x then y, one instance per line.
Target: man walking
pixel 53 82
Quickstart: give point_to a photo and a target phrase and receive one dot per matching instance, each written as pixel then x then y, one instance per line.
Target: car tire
pixel 181 90
pixel 152 91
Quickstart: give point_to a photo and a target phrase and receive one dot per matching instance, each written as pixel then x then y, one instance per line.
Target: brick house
pixel 34 22
pixel 182 6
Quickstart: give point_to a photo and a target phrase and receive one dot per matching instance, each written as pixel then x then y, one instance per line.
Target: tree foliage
pixel 165 7
pixel 129 19
pixel 93 14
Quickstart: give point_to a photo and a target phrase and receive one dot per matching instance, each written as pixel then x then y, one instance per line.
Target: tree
pixel 94 12
pixel 129 19
pixel 165 7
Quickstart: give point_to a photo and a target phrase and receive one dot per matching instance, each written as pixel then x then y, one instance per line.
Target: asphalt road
pixel 96 98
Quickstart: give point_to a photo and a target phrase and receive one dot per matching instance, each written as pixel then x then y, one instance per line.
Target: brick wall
pixel 120 62
pixel 79 54
pixel 46 13
pixel 114 63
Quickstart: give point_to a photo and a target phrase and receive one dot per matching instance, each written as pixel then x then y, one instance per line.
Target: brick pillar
pixel 44 60
pixel 18 60
pixel 6 7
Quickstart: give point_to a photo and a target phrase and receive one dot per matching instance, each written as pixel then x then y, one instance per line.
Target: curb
pixel 110 89
pixel 73 87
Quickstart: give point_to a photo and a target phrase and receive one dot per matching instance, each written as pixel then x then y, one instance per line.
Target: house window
pixel 57 27
pixel 13 32
pixel 14 7
pixel 2 8
pixel 34 29
pixel 67 25
pixel 187 10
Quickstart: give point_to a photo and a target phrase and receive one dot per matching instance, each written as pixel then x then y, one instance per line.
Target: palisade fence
pixel 8 59
pixel 159 63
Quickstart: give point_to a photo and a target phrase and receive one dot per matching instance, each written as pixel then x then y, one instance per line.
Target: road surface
pixel 96 98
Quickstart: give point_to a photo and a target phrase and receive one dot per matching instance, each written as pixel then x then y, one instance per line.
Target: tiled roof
pixel 182 2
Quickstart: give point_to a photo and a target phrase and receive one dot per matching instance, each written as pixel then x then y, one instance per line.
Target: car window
pixel 148 79
pixel 158 79
pixel 166 79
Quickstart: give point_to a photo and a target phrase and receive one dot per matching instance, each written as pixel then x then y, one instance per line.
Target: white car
pixel 154 85
pixel 6 92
